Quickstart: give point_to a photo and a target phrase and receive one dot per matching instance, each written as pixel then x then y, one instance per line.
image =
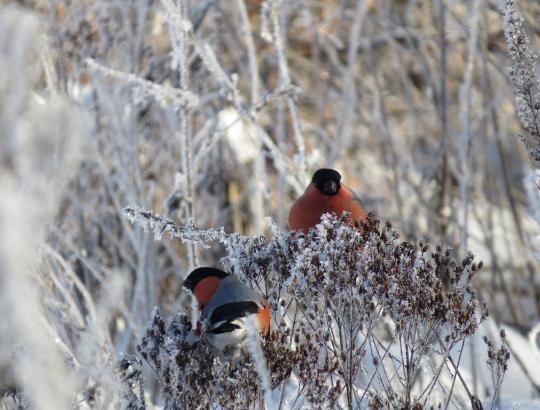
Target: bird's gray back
pixel 231 290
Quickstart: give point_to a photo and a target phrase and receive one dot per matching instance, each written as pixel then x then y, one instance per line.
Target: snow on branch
pixel 523 78
pixel 143 89
pixel 188 232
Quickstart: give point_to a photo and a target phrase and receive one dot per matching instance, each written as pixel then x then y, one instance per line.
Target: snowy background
pixel 215 114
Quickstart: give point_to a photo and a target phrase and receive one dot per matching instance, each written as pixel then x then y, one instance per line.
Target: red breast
pixel 325 194
pixel 205 289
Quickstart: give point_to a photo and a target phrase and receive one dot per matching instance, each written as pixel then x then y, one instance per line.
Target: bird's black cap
pixel 202 273
pixel 327 181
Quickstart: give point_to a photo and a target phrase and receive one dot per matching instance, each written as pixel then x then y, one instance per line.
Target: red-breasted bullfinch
pixel 226 303
pixel 325 194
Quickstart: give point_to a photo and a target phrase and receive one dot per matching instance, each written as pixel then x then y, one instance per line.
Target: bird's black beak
pixel 330 187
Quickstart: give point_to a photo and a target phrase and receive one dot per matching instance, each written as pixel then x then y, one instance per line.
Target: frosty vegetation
pixel 523 77
pixel 355 314
pixel 215 114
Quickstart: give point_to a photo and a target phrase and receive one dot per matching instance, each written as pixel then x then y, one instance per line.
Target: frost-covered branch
pixel 465 116
pixel 254 348
pixel 159 226
pixel 523 77
pixel 166 96
pixel 274 11
pixel 498 364
pixel 180 31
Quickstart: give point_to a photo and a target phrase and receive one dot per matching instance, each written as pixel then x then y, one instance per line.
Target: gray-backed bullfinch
pixel 325 194
pixel 226 304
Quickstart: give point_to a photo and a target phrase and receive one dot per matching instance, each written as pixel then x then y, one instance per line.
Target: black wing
pixel 225 327
pixel 231 311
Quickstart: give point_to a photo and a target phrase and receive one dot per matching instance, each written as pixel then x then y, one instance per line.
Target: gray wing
pixel 240 299
pixel 357 198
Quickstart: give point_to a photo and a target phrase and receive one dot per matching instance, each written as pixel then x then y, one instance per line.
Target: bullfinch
pixel 226 303
pixel 325 194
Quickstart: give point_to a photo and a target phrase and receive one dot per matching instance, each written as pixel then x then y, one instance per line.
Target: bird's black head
pixel 327 181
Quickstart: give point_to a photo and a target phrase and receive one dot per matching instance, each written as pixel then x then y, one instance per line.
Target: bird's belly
pixel 228 344
pixel 220 341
